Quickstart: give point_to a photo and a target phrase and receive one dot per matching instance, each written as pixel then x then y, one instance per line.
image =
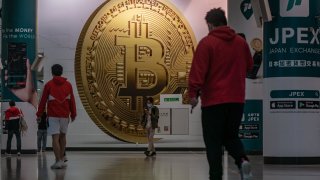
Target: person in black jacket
pixel 150 122
pixel 42 132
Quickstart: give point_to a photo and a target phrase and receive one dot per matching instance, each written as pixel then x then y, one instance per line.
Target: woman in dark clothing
pixel 150 123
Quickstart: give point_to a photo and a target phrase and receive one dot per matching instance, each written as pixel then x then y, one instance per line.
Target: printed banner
pixel 18 50
pixel 251 126
pixel 241 19
pixel 291 40
pixel 291 72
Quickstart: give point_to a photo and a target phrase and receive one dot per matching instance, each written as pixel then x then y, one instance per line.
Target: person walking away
pixel 218 74
pixel 150 123
pixel 58 97
pixel 12 118
pixel 42 133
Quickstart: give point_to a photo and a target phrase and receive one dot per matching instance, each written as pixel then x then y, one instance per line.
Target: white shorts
pixel 57 125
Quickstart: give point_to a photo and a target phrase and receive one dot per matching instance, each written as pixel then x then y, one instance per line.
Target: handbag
pixel 22 123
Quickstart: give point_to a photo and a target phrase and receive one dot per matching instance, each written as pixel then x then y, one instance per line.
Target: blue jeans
pixel 42 137
pixel 10 136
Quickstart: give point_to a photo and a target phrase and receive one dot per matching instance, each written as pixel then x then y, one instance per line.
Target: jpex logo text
pixel 294 8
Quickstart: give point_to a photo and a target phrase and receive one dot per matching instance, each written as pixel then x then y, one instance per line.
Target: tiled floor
pixel 135 166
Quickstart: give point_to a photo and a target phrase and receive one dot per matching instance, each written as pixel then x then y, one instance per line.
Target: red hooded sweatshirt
pixel 58 96
pixel 12 117
pixel 220 64
pixel 12 113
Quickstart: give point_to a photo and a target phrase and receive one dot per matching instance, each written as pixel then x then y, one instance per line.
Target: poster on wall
pixel 18 49
pixel 242 20
pixel 292 71
pixel 127 51
pixel 250 131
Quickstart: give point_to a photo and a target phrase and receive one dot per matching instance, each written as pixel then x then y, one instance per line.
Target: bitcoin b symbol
pixel 142 51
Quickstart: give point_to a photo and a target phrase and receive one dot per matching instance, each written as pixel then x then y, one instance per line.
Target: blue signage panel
pixel 292 39
pixel 18 50
pixel 251 127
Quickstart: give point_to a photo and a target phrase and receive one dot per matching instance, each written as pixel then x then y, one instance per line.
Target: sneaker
pixel 246 171
pixel 57 165
pixel 151 153
pixel 19 154
pixel 64 165
pixel 147 153
pixel 65 159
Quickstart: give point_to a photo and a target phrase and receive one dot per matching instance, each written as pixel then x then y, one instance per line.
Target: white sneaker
pixel 246 171
pixel 57 165
pixel 64 164
pixel 19 154
pixel 65 159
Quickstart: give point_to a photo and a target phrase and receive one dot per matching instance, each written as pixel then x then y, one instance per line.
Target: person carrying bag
pixel 13 120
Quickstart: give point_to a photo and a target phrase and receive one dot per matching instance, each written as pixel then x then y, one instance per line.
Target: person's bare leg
pixel 56 146
pixel 151 149
pixel 62 142
pixel 150 139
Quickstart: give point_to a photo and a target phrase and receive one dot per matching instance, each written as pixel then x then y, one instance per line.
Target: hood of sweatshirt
pixel 223 32
pixel 58 80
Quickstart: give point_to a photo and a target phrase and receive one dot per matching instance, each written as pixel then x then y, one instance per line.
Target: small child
pixel 42 132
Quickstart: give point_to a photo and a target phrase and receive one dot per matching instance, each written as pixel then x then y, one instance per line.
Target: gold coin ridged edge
pixel 81 90
pixel 78 75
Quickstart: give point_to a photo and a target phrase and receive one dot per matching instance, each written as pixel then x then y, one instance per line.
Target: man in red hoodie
pixel 218 73
pixel 58 97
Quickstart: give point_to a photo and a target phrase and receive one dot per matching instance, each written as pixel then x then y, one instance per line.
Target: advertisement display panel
pixel 18 49
pixel 292 71
pixel 241 18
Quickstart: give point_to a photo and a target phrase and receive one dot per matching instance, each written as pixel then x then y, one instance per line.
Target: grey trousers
pixel 42 139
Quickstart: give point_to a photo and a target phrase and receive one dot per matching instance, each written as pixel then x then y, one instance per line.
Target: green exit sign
pixel 171 99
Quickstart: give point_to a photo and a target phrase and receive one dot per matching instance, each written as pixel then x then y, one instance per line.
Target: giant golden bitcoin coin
pixel 128 50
